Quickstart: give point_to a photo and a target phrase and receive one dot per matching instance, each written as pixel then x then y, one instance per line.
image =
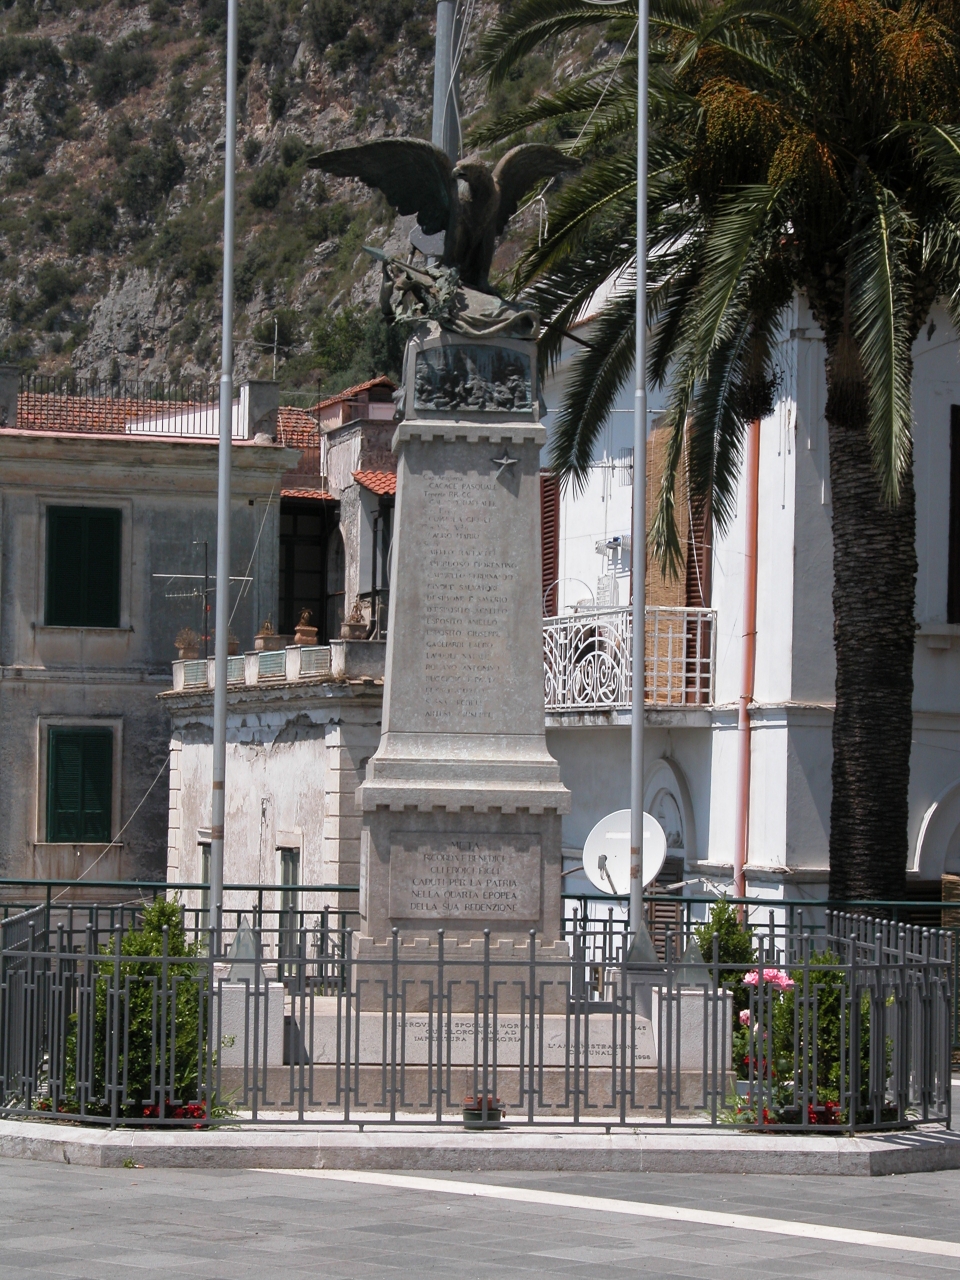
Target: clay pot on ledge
pixel 354 626
pixel 305 634
pixel 188 644
pixel 233 644
pixel 267 639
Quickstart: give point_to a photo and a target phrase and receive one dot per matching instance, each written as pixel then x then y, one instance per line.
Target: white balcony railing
pixel 587 666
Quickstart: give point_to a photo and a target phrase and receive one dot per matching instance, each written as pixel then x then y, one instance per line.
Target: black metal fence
pixel 70 403
pixel 137 1017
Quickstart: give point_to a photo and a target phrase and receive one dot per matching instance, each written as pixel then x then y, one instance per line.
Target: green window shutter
pixel 83 567
pixel 97 784
pixel 79 785
pixel 65 606
pixel 64 785
pixel 103 569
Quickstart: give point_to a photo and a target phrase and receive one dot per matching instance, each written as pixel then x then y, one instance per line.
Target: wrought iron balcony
pixel 587 659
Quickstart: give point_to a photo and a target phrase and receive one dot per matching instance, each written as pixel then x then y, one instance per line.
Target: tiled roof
pixel 296 427
pixel 381 482
pixel 107 415
pixel 351 393
pixel 318 495
pixel 95 414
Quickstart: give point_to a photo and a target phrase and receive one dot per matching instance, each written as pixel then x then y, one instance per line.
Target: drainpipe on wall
pixel 749 661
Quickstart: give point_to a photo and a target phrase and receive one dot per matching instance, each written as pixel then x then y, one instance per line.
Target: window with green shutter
pixel 79 785
pixel 83 567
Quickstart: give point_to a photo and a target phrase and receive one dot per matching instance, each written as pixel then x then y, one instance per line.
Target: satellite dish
pixel 606 853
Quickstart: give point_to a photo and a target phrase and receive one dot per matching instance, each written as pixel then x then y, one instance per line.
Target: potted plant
pixel 188 644
pixel 473 1113
pixel 305 634
pixel 354 627
pixel 267 639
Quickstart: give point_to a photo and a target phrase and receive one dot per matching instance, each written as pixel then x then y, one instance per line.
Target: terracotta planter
pixel 353 630
pixel 188 652
pixel 305 635
pixel 473 1113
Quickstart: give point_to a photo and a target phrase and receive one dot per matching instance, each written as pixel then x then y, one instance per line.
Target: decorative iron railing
pixel 850 1030
pixel 588 667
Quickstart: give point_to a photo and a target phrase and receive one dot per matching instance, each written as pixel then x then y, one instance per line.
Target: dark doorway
pixel 307 528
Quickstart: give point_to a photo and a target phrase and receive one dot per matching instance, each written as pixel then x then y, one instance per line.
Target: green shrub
pixel 278 97
pixel 811 1045
pixel 92 230
pixel 352 346
pixel 32 58
pixel 292 149
pixel 82 47
pixel 120 140
pixel 287 330
pixel 178 98
pixel 334 23
pixel 151 173
pixel 121 70
pixel 26 167
pixel 251 149
pixel 267 187
pixel 735 947
pixel 139 1024
pixel 54 283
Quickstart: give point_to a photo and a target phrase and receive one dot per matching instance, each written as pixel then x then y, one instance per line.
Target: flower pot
pixel 188 652
pixel 473 1113
pixel 353 630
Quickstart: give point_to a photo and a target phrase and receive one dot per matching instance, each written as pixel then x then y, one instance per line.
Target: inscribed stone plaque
pixel 464 877
pixel 468 592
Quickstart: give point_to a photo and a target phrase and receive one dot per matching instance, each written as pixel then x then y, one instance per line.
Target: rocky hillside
pixel 111 175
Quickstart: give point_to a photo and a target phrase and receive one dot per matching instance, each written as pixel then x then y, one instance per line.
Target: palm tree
pixel 807 146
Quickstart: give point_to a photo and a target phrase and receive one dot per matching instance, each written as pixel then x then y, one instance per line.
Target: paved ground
pixel 225 1225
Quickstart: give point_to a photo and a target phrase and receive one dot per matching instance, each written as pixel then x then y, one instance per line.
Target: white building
pixel 691 743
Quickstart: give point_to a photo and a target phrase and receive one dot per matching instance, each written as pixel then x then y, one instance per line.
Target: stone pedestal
pixel 462 801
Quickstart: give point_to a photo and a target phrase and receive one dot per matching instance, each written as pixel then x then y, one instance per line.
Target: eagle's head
pixel 475 183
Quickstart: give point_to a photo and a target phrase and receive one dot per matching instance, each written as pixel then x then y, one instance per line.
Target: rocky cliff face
pixel 111 173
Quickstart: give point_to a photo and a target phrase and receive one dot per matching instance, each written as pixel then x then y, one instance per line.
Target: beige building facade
pixel 101 556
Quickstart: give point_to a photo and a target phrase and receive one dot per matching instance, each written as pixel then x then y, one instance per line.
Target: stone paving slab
pixel 544 1148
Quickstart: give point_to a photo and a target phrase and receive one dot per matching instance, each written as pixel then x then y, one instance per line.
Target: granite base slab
pixel 546 1148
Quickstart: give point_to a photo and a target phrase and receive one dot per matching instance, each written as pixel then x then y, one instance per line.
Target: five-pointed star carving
pixel 502 463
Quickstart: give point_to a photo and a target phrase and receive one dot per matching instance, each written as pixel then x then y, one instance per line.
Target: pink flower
pixel 744 1017
pixel 776 977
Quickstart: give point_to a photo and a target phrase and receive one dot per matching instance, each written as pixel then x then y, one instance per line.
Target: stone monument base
pixel 473 968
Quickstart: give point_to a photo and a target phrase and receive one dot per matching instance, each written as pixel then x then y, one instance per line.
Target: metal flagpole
pixel 221 646
pixel 638 932
pixel 444 132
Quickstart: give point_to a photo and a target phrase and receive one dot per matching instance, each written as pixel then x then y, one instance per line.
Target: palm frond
pixel 880 310
pixel 597 376
pixel 533 22
pixel 733 238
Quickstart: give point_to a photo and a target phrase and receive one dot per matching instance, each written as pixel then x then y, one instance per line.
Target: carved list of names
pixel 467 590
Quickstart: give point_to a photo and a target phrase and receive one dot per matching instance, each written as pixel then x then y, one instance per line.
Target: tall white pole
pixel 444 133
pixel 223 485
pixel 638 551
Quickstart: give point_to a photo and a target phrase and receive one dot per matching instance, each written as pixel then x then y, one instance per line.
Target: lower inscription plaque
pixel 464 877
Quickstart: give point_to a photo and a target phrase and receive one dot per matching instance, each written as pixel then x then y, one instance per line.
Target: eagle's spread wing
pixel 522 168
pixel 415 176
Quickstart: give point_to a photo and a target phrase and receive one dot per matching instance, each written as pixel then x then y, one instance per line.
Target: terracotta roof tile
pixel 94 414
pixel 318 495
pixel 381 482
pixel 297 428
pixel 352 392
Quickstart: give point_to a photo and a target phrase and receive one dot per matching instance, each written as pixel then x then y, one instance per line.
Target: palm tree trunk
pixel 875 570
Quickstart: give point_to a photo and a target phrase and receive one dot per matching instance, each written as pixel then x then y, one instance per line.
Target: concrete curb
pixel 543 1149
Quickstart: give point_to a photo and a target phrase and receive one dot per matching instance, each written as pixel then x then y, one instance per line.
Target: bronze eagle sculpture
pixel 470 201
